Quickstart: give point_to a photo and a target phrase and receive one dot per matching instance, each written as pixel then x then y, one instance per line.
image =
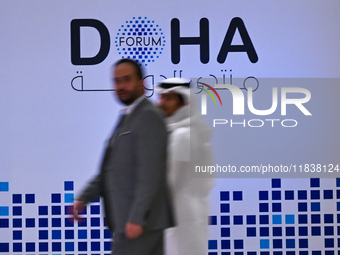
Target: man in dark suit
pixel 132 179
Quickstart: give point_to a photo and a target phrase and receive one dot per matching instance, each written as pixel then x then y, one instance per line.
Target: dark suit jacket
pixel 132 179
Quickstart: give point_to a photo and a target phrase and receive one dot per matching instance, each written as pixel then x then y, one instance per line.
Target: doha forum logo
pixel 140 39
pixel 143 40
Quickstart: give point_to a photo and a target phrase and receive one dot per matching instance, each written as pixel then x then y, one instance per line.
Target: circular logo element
pixel 140 39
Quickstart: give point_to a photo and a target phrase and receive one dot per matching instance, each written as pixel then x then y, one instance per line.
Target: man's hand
pixel 77 207
pixel 132 230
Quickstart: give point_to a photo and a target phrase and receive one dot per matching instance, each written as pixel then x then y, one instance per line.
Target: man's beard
pixel 129 100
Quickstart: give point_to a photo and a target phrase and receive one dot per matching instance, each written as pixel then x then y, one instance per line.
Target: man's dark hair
pixel 136 66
